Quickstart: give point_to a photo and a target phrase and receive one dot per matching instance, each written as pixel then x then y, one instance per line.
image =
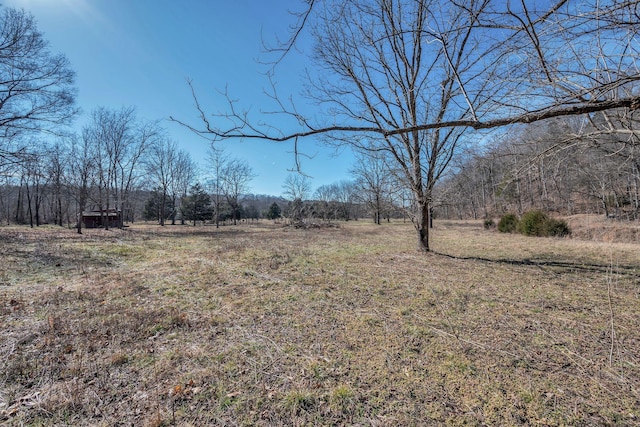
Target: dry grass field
pixel 263 325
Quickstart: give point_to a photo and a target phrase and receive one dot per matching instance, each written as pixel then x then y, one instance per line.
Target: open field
pixel 262 325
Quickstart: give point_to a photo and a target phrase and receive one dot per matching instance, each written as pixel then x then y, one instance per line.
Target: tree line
pixel 566 166
pixel 123 164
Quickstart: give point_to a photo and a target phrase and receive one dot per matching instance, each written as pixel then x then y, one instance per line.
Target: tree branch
pixel 237 132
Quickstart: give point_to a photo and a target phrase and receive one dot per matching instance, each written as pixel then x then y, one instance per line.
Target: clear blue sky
pixel 140 53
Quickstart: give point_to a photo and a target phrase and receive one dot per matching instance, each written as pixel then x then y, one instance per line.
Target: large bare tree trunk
pixel 422 225
pixel 81 207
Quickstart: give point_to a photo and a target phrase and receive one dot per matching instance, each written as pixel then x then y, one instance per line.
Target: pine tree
pixel 274 211
pixel 197 206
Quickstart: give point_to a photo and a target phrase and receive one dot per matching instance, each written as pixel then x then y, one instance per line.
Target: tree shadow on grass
pixel 557 266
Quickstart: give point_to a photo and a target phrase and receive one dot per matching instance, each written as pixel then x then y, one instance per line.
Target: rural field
pixel 265 325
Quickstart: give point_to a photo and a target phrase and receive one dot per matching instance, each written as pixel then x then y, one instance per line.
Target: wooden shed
pixel 98 219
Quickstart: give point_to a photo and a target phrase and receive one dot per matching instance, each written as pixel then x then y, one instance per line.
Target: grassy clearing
pixel 345 326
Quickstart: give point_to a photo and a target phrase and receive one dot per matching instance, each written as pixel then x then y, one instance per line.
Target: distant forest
pixel 564 166
pixel 561 166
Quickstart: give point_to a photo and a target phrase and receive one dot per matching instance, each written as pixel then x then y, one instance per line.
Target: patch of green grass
pixel 342 399
pixel 299 401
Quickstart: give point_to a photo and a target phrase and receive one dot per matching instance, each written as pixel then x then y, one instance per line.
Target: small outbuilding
pixel 100 218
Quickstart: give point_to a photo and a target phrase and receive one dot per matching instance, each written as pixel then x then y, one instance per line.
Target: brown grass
pixel 265 326
pixel 600 228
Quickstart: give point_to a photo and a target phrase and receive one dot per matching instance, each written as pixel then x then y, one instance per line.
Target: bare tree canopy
pixel 296 186
pixel 160 164
pixel 411 77
pixel 236 176
pixel 36 86
pixel 119 142
pixel 373 183
pixel 217 162
pixel 518 62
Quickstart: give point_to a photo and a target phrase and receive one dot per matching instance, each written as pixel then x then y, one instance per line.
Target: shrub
pixel 508 223
pixel 533 223
pixel 538 223
pixel 489 224
pixel 558 228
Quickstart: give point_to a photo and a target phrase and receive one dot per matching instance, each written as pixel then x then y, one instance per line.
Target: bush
pixel 489 224
pixel 533 223
pixel 558 228
pixel 508 223
pixel 538 223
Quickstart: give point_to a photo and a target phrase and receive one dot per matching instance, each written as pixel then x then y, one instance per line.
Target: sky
pixel 141 53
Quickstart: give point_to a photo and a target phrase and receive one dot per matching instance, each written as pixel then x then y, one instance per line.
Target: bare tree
pixel 373 181
pixel 129 171
pixel 119 142
pixel 56 169
pixel 338 200
pixel 159 164
pixel 297 188
pixel 345 193
pixel 236 176
pixel 217 161
pixel 81 179
pixel 383 73
pixel 7 193
pixel 34 180
pixel 413 76
pixel 108 135
pixel 325 196
pixel 184 173
pixel 572 165
pixel 37 90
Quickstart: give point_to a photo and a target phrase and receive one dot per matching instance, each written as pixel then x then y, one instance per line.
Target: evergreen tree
pixel 197 206
pixel 274 211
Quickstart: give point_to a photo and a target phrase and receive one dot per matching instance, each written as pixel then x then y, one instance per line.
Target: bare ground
pixel 264 325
